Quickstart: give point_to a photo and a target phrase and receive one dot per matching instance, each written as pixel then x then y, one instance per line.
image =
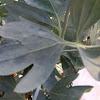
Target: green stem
pixel 77 35
pixel 59 25
pixel 65 22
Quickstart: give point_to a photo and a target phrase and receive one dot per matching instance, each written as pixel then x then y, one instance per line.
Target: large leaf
pixel 91 60
pixel 38 46
pixel 73 93
pixel 84 14
pixel 28 12
pixel 50 6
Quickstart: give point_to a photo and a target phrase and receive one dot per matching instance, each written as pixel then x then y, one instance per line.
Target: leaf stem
pixel 58 20
pixel 59 25
pixel 65 21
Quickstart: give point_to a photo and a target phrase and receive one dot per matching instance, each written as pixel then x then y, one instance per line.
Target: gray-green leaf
pixel 28 12
pixel 91 60
pixel 37 46
pixel 50 6
pixel 73 93
pixel 84 14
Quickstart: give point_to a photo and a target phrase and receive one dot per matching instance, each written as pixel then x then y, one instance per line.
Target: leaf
pixel 60 92
pixel 84 14
pixel 28 12
pixel 7 83
pixel 11 18
pixel 70 34
pixel 50 6
pixel 6 1
pixel 91 60
pixel 41 96
pixel 27 29
pixel 37 46
pixel 64 82
pixel 75 59
pixel 12 96
pixel 73 93
pixel 2 9
pixel 51 81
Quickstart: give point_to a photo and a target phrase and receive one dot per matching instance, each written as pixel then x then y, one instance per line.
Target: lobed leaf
pixel 37 46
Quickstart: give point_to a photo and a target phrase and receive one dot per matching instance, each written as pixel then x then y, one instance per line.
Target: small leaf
pixel 91 60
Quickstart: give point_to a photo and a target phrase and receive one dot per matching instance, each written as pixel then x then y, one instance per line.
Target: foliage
pixel 30 47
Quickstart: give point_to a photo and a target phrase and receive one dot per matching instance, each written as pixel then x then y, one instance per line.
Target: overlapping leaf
pixel 37 46
pixel 7 83
pixel 84 14
pixel 50 6
pixel 60 92
pixel 91 60
pixel 41 96
pixel 6 1
pixel 51 81
pixel 12 96
pixel 73 93
pixel 28 12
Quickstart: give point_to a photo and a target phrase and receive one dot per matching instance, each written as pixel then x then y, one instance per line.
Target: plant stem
pixel 65 24
pixel 77 35
pixel 59 25
pixel 65 21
